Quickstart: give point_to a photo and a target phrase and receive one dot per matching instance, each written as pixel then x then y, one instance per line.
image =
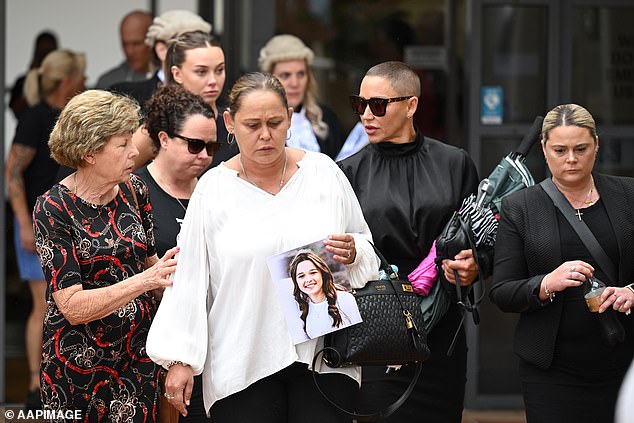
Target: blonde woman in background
pixel 30 171
pixel 314 127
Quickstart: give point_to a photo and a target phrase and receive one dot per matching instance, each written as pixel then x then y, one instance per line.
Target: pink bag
pixel 425 275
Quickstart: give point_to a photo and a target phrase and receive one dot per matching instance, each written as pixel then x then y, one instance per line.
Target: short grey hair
pixel 87 122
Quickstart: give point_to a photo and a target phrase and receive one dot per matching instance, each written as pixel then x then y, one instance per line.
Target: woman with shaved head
pixel 408 186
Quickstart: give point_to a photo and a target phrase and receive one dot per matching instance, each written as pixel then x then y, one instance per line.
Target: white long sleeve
pixel 230 229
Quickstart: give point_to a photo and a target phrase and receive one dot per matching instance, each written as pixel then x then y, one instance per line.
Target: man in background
pixel 136 66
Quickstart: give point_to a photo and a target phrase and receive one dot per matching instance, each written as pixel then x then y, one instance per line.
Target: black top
pixel 87 365
pixel 579 349
pixel 17 93
pixel 408 192
pixel 533 240
pixel 34 129
pixel 141 91
pixel 168 213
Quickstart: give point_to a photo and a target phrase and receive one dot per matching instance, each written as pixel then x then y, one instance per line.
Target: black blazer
pixel 528 247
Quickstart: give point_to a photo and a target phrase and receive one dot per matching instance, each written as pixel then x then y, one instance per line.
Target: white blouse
pixel 222 315
pixel 319 322
pixel 302 133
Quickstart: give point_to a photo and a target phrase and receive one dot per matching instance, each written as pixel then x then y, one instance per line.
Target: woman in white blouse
pixel 222 316
pixel 323 306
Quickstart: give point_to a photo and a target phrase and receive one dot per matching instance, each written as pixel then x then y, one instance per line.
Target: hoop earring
pixel 289 134
pixel 231 138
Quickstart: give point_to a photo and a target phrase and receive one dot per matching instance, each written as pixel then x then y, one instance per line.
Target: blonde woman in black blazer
pixel 569 372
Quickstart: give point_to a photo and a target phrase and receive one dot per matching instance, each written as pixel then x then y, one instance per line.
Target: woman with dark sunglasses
pixel 408 186
pixel 182 127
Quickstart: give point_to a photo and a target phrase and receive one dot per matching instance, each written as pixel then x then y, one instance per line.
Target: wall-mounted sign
pixel 491 109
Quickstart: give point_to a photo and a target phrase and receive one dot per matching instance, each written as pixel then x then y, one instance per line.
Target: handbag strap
pixel 379 415
pixel 580 227
pixel 136 200
pixel 475 303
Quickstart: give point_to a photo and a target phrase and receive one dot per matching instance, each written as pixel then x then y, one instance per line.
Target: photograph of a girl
pixel 324 307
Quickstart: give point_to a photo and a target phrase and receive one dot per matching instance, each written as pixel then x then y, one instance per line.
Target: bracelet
pixel 550 294
pixel 171 363
pixel 630 287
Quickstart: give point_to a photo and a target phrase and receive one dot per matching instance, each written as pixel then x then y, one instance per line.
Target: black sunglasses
pixel 378 105
pixel 195 146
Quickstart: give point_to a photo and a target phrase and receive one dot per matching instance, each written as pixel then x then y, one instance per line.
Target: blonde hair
pixel 568 115
pixel 56 66
pixel 284 48
pixel 87 122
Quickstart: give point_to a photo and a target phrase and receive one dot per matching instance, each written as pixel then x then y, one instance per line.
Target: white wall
pixel 88 26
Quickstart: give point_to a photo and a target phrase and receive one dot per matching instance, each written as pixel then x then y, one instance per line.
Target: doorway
pixel 526 57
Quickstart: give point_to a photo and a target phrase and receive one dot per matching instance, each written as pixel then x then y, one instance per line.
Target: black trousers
pixel 439 393
pixel 196 411
pixel 288 396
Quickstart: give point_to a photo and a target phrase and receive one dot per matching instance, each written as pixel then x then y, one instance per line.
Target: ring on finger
pixel 168 396
pixel 572 268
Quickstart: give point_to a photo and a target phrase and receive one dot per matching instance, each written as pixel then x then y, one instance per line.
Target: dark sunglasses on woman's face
pixel 195 146
pixel 378 105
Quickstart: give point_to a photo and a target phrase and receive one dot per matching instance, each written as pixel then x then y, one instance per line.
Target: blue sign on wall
pixel 492 101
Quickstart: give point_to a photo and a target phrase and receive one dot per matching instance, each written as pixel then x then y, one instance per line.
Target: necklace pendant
pixel 579 214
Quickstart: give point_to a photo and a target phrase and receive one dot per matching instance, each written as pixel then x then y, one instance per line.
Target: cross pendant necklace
pixel 579 214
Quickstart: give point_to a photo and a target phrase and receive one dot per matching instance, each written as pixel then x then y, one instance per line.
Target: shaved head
pixel 400 76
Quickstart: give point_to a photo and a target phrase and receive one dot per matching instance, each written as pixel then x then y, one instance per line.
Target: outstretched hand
pixel 158 275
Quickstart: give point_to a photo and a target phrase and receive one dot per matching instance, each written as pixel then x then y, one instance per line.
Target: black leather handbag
pixel 391 333
pixel 456 236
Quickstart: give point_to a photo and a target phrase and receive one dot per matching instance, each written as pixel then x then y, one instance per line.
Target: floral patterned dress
pixel 100 367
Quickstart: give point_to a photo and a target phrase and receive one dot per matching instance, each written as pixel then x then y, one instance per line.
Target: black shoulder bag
pixel 456 236
pixel 391 333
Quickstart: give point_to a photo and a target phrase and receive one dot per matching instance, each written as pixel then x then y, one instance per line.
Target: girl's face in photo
pixel 309 278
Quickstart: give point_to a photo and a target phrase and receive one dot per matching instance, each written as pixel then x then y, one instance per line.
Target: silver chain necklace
pixel 281 180
pixel 161 181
